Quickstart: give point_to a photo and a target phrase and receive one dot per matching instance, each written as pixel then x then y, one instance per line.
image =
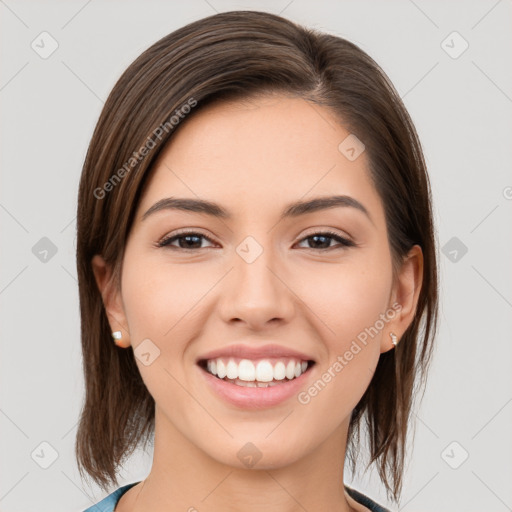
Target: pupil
pixel 188 237
pixel 316 237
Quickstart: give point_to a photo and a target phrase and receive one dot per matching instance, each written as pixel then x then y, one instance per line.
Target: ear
pixel 405 293
pixel 111 296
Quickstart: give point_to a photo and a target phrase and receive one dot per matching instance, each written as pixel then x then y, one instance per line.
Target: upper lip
pixel 255 352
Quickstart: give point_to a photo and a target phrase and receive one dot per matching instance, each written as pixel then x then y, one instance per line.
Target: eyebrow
pixel 290 211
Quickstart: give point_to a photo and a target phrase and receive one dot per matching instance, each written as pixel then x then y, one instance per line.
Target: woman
pixel 256 254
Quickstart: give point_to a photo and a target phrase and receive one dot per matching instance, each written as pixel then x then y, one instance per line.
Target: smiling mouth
pixel 261 373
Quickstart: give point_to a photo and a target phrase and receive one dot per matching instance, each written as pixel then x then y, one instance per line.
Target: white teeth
pixel 290 370
pixel 260 373
pixel 264 372
pixel 246 370
pixel 232 370
pixel 221 369
pixel 280 370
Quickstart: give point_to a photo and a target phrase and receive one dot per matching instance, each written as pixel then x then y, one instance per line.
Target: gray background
pixel 462 110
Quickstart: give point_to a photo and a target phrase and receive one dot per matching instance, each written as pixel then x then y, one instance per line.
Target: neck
pixel 184 478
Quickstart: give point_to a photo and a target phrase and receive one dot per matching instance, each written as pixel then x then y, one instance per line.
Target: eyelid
pixel 184 232
pixel 320 230
pixel 342 240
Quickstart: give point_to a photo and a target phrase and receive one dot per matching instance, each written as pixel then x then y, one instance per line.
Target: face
pixel 304 302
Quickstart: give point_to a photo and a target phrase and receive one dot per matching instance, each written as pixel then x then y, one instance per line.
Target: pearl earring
pixel 394 339
pixel 117 335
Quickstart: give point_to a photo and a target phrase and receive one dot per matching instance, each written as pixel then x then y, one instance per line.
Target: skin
pixel 253 158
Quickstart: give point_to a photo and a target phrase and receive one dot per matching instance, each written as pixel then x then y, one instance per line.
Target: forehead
pixel 260 153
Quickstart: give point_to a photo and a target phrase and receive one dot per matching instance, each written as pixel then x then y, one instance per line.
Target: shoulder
pixel 365 500
pixel 108 503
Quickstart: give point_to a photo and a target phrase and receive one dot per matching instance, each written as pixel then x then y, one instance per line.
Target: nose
pixel 257 293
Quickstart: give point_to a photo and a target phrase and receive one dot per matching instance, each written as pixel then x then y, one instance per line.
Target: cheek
pixel 159 304
pixel 348 299
pixel 348 304
pixel 160 300
pixel 348 311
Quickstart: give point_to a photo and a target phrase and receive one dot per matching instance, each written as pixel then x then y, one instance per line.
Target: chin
pixel 256 452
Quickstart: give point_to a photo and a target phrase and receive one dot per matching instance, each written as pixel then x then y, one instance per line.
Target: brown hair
pixel 228 56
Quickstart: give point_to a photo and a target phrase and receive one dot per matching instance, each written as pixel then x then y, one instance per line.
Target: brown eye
pixel 191 240
pixel 324 240
pixel 187 241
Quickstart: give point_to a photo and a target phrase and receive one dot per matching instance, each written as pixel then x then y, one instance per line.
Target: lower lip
pixel 255 398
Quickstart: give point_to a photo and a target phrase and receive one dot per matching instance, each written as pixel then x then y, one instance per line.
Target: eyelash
pixel 344 242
